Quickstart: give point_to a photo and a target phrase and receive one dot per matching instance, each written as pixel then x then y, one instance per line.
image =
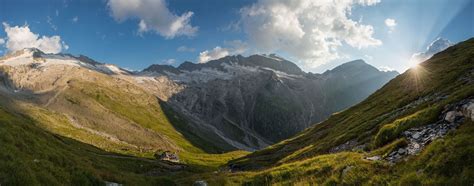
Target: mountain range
pixel 243 102
pixel 255 101
pixel 253 120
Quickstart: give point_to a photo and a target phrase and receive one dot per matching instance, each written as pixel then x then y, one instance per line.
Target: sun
pixel 413 63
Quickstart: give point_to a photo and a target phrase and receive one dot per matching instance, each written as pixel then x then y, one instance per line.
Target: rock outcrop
pixel 452 116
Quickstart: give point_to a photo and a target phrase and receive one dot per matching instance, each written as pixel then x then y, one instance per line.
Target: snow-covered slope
pixel 38 59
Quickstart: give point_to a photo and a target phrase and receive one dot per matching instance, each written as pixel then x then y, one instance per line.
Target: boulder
pixel 468 110
pixel 200 183
pixel 167 156
pixel 451 116
pixel 416 135
pixel 373 158
pixel 401 151
pixel 108 183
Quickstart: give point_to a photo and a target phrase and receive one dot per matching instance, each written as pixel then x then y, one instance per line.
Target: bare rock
pixel 107 183
pixel 450 116
pixel 416 135
pixel 401 151
pixel 200 183
pixel 468 110
pixel 373 158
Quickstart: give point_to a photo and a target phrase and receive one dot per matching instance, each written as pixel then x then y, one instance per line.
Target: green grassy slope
pixel 145 110
pixel 31 156
pixel 47 135
pixel 378 121
pixel 448 161
pixel 112 115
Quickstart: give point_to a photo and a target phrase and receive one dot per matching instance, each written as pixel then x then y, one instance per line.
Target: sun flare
pixel 413 64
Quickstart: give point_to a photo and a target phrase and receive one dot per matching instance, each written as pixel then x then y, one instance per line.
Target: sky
pixel 316 35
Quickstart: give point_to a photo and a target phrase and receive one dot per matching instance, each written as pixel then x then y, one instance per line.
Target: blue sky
pixel 92 28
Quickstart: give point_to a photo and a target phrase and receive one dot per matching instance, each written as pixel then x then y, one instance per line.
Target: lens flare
pixel 413 63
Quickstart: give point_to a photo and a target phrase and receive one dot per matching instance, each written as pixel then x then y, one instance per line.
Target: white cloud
pixel 215 53
pixel 2 41
pixel 49 20
pixel 436 46
pixel 154 15
pixel 311 31
pixel 75 19
pixel 20 37
pixel 368 57
pixel 168 61
pixel 234 47
pixel 390 22
pixel 386 69
pixel 185 49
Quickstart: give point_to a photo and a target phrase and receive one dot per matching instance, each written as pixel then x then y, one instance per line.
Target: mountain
pixel 71 119
pixel 252 102
pixel 416 130
pixel 436 46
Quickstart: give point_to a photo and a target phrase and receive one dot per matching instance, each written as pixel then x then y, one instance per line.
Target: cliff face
pixel 258 100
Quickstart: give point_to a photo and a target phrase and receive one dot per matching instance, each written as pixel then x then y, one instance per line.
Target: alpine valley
pixel 254 120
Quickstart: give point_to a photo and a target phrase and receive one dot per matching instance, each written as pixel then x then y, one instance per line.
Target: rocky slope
pixel 258 100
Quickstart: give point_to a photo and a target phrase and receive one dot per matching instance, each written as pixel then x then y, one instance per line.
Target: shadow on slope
pixel 32 156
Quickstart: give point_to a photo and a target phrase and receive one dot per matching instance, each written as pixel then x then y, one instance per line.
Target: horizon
pixel 177 66
pixel 236 92
pixel 386 35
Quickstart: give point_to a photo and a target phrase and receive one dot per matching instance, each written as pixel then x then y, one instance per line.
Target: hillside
pixel 95 104
pixel 33 156
pixel 134 114
pixel 416 129
pixel 252 102
pixel 89 123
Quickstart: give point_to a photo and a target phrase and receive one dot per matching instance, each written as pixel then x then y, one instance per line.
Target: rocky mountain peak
pixel 271 61
pixel 87 60
pixel 162 69
pixel 356 66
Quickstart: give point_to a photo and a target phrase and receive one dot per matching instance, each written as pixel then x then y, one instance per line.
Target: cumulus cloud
pixel 390 22
pixel 436 46
pixel 20 37
pixel 216 53
pixel 154 15
pixel 311 31
pixel 234 47
pixel 185 49
pixel 2 41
